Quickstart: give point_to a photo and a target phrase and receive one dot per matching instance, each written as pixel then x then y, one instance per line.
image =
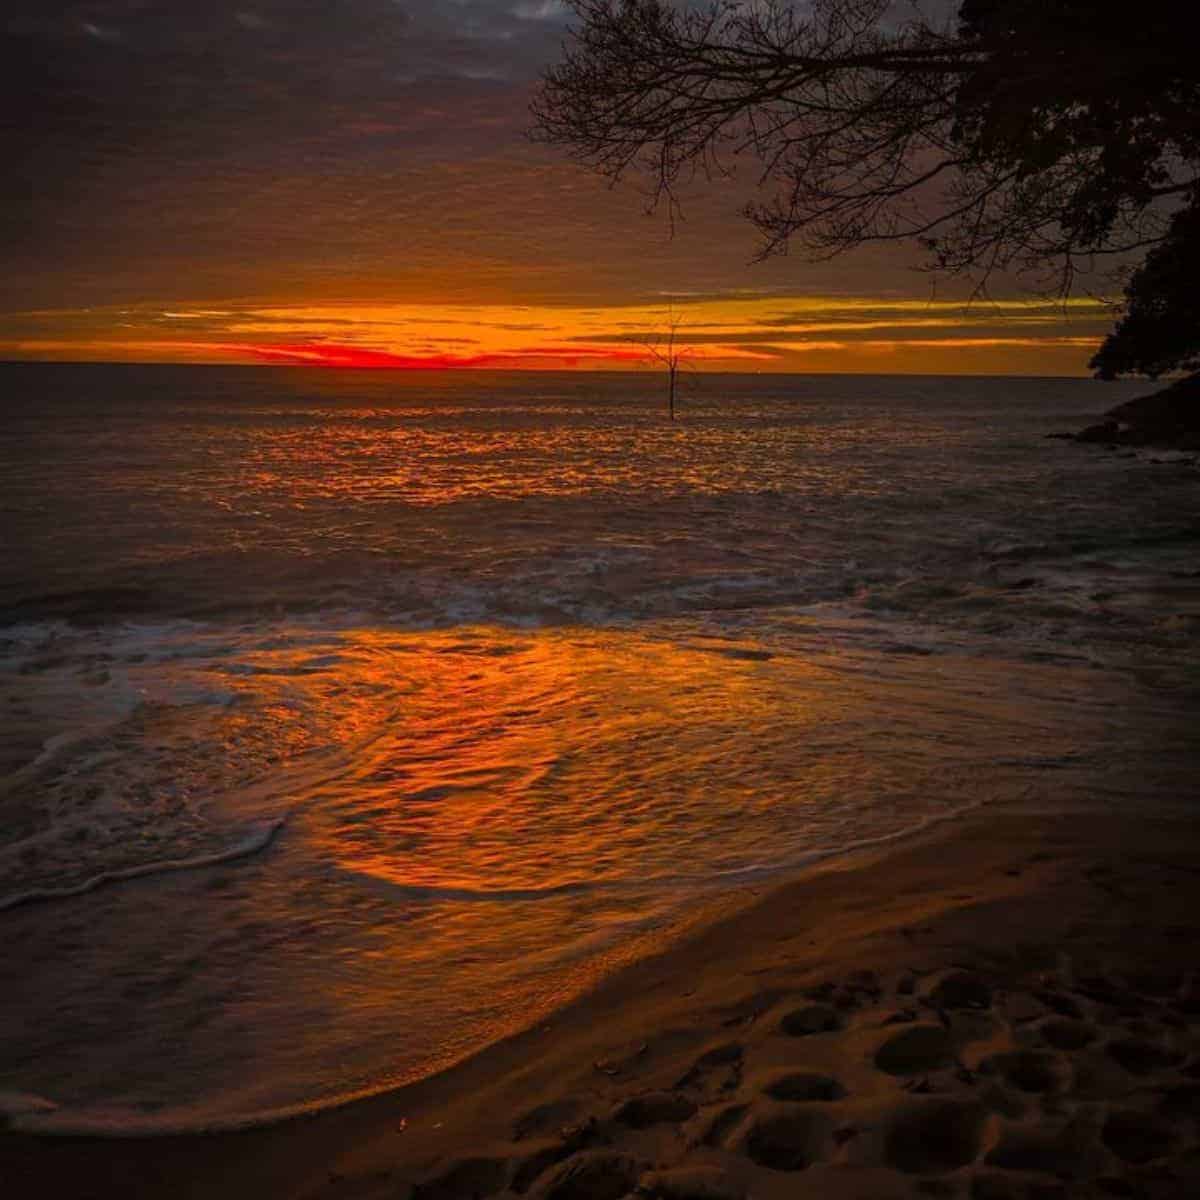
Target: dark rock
pixel 1107 432
pixel 1169 418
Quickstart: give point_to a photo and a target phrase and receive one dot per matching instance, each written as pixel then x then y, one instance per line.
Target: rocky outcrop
pixel 1169 418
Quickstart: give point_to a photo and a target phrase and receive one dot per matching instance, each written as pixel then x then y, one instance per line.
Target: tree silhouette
pixel 664 348
pixel 1025 136
pixel 1158 332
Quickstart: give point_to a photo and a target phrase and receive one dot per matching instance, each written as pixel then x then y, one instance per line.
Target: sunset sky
pixel 349 183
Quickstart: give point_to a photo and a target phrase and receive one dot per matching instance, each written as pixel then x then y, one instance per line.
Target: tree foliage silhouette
pixel 1031 137
pixel 1160 330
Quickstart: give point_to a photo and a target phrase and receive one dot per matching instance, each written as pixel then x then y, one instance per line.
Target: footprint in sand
pixel 1058 1002
pixel 545 1118
pixel 1141 1057
pixel 962 989
pixel 1180 1102
pixel 716 1071
pixel 804 1085
pixel 594 1175
pixel 570 1140
pixel 916 1049
pixel 1010 1129
pixel 1065 1034
pixel 1028 1070
pixel 654 1108
pixel 933 1137
pixel 689 1183
pixel 723 1124
pixel 813 1018
pixel 789 1140
pixel 1137 1137
pixel 1060 1152
pixel 475 1177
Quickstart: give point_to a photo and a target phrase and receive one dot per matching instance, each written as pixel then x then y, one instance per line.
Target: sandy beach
pixel 1002 1008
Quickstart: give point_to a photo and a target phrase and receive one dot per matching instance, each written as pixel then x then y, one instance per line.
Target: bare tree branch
pixel 1030 136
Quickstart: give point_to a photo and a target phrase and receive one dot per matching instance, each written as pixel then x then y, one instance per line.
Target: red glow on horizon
pixel 355 357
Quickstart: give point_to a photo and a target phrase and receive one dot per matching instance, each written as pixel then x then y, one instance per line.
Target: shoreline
pixel 712 908
pixel 953 895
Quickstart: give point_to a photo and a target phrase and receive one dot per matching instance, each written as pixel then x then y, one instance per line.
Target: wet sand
pixel 1008 1007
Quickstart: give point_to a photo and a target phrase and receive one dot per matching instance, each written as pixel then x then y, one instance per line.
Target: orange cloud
pixel 774 333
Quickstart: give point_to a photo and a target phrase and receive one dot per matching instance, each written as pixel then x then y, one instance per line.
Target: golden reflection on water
pixel 550 761
pixel 481 823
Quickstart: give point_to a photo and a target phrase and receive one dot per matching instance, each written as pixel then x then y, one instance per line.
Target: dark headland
pixel 1168 419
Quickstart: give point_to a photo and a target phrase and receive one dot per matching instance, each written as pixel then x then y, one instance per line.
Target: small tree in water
pixel 664 348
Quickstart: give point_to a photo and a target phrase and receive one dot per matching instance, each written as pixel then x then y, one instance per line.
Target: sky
pixel 349 183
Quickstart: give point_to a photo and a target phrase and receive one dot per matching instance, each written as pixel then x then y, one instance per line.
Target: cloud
pixel 398 336
pixel 541 10
pixel 214 171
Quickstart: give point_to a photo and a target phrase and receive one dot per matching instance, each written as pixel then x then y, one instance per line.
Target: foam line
pixel 259 839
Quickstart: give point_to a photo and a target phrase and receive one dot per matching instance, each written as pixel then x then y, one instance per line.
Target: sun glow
pixel 776 333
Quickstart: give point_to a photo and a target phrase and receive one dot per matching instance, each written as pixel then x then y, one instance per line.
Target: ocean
pixel 353 720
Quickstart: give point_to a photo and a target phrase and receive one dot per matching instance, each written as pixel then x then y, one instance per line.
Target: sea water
pixel 352 720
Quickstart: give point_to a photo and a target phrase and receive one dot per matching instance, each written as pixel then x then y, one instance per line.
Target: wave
pixel 258 839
